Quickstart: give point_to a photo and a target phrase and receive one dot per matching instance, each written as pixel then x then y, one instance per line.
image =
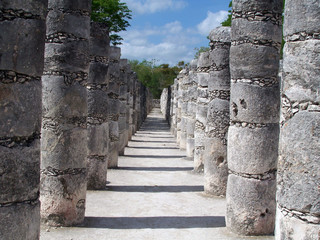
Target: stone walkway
pixel 152 195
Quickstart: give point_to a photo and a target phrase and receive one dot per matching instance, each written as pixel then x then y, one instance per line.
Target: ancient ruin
pixel 21 67
pixel 64 113
pixel 298 209
pixel 71 107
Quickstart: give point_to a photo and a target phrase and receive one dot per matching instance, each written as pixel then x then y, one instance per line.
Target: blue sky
pixel 169 30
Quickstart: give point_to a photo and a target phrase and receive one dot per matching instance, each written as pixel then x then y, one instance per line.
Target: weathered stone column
pixel 131 86
pixel 192 107
pixel 179 105
pixel 123 134
pixel 298 194
pixel 202 109
pixel 22 36
pixel 163 101
pixel 184 87
pixel 97 89
pixel 173 127
pixel 254 113
pixel 114 105
pixel 218 116
pixel 64 113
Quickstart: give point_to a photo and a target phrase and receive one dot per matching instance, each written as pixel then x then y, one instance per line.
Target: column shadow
pixel 154 222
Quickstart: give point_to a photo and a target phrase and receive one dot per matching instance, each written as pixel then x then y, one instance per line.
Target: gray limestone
pixel 298 209
pixel 203 68
pixel 21 67
pixel 215 158
pixel 98 127
pixel 64 113
pixel 113 105
pixel 254 116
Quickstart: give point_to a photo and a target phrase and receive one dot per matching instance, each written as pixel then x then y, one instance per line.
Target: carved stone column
pixel 98 127
pixel 114 105
pixel 202 109
pixel 218 116
pixel 22 38
pixel 254 114
pixel 298 192
pixel 64 113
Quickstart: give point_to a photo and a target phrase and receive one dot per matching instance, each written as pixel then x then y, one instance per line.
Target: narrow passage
pixel 152 195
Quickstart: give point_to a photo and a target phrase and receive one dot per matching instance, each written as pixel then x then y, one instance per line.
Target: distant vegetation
pixel 156 77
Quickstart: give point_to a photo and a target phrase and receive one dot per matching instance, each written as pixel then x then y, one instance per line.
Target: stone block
pixel 251 205
pixel 97 172
pixel 98 73
pixel 74 5
pixel 254 104
pixel 301 70
pixel 299 163
pixel 261 149
pixel 20 222
pixel 219 57
pixel 307 11
pixel 20 107
pixel 204 60
pixel 219 80
pixel 69 57
pixel 242 29
pixel 21 48
pixel 113 106
pixel 19 173
pixel 98 139
pixel 65 146
pixel 63 199
pixel 97 103
pixel 62 100
pixel 99 40
pixel 74 24
pixel 215 167
pixel 253 61
pixel 203 79
pixel 253 6
pixel 190 147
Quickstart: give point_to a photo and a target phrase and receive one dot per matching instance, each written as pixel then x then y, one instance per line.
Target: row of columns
pixel 237 126
pixel 59 79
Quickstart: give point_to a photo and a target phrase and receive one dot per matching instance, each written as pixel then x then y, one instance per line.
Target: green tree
pixel 227 22
pixel 200 50
pixel 113 13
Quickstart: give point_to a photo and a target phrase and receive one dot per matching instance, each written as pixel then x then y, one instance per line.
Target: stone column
pixel 218 116
pixel 163 101
pixel 131 86
pixel 173 126
pixel 123 134
pixel 184 106
pixel 134 100
pixel 179 105
pixel 192 107
pixel 298 192
pixel 64 113
pixel 201 112
pixel 22 36
pixel 254 115
pixel 97 89
pixel 114 105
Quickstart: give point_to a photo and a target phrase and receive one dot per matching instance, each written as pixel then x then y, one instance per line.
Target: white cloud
pixel 174 44
pixel 153 6
pixel 212 21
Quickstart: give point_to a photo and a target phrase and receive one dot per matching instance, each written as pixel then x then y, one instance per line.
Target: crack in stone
pixel 8 76
pixel 62 37
pixel 260 16
pixel 270 175
pixel 262 82
pixel 12 142
pixel 302 36
pixel 305 217
pixel 54 172
pixel 31 202
pixel 80 12
pixel 260 42
pixel 11 14
pixel 70 78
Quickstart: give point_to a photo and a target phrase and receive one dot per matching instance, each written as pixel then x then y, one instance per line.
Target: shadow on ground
pixel 154 222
